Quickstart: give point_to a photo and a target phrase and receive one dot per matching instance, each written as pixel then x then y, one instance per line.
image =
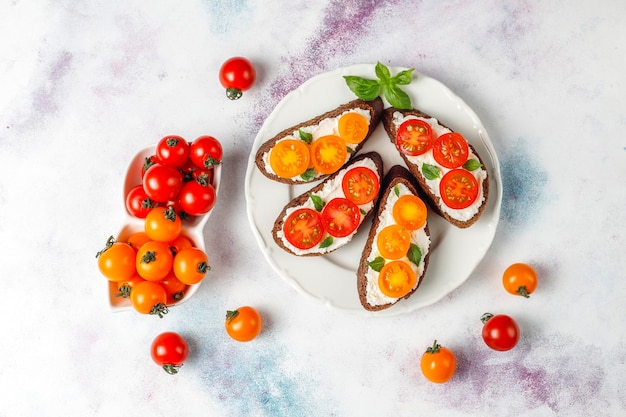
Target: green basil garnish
pixel 472 165
pixel 305 136
pixel 308 175
pixel 386 85
pixel 318 202
pixel 414 254
pixel 431 172
pixel 377 264
pixel 326 242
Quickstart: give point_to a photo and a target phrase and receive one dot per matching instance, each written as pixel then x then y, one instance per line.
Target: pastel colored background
pixel 85 85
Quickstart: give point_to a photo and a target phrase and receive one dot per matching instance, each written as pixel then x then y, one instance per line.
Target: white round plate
pixel 331 279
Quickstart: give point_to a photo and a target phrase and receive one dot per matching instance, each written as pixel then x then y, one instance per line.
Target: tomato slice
pixel 409 211
pixel 328 153
pixel 393 241
pixel 396 279
pixel 360 185
pixel 353 127
pixel 289 158
pixel 458 189
pixel 450 150
pixel 303 228
pixel 340 217
pixel 414 137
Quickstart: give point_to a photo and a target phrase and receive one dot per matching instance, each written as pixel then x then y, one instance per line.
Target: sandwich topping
pixel 320 149
pixel 449 167
pixel 399 248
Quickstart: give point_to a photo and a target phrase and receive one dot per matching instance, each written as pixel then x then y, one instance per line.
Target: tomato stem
pixel 434 348
pixel 160 310
pixel 110 242
pixel 172 369
pixel 231 315
pixel 170 213
pixel 124 291
pixel 203 267
pixel 486 317
pixel 523 291
pixel 210 162
pixel 233 93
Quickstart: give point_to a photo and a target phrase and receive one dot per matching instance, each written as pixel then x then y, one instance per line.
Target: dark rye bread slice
pixel 375 108
pixel 396 175
pixel 431 198
pixel 304 197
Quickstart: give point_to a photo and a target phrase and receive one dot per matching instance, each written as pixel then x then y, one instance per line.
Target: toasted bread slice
pixel 322 125
pixel 392 118
pixel 398 182
pixel 322 194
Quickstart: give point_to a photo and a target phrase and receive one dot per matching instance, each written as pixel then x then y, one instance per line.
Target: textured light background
pixel 85 85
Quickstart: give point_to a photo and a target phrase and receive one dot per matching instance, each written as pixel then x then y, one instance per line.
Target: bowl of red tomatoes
pixel 169 193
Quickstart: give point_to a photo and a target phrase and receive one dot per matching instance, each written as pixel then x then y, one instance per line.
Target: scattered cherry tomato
pixel 520 279
pixel 237 75
pixel 500 332
pixel 173 151
pixel 169 350
pixel 116 261
pixel 438 363
pixel 162 182
pixel 206 152
pixel 138 203
pixel 243 324
pixel 148 297
pixel 163 224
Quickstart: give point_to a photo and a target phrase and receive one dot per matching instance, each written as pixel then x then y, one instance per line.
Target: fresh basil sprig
pixel 386 85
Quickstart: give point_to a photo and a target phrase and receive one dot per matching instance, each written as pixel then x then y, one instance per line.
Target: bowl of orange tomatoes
pixel 158 259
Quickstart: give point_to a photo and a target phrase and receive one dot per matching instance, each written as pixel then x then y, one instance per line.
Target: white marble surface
pixel 85 85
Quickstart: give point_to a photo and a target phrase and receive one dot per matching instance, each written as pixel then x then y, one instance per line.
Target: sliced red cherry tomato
pixel 450 150
pixel 303 228
pixel 237 75
pixel 340 217
pixel 500 332
pixel 414 137
pixel 458 189
pixel 396 279
pixel 360 185
pixel 329 153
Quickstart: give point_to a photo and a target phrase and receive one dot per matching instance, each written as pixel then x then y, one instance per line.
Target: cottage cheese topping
pixel 419 237
pixel 332 189
pixel 326 127
pixel 427 157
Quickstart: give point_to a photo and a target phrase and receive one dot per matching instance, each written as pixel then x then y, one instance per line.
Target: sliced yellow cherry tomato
pixel 393 241
pixel 410 212
pixel 353 127
pixel 396 279
pixel 328 153
pixel 289 158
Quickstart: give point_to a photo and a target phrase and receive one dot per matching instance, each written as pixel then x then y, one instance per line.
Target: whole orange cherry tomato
pixel 438 363
pixel 180 243
pixel 520 279
pixel 174 288
pixel 126 286
pixel 243 324
pixel 117 260
pixel 163 224
pixel 191 265
pixel 149 297
pixel 137 239
pixel 154 261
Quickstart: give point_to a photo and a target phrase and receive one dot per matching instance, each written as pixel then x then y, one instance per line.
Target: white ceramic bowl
pixel 192 228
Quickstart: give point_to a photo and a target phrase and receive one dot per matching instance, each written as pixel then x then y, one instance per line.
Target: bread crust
pixel 396 175
pixel 303 198
pixel 431 199
pixel 375 108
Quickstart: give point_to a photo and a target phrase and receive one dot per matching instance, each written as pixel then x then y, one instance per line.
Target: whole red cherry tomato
pixel 196 198
pixel 162 183
pixel 138 203
pixel 500 332
pixel 206 152
pixel 237 75
pixel 169 350
pixel 172 151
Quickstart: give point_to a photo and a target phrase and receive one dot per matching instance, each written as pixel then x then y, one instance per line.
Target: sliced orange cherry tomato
pixel 340 217
pixel 393 241
pixel 396 279
pixel 360 185
pixel 353 127
pixel 458 189
pixel 450 150
pixel 303 228
pixel 154 261
pixel 149 297
pixel 163 224
pixel 329 153
pixel 289 158
pixel 414 137
pixel 116 260
pixel 191 265
pixel 520 279
pixel 410 212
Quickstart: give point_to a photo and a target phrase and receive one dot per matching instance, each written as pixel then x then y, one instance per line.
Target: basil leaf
pixel 472 165
pixel 414 254
pixel 403 77
pixel 363 88
pixel 430 172
pixel 349 149
pixel 377 264
pixel 308 175
pixel 382 72
pixel 363 212
pixel 318 202
pixel 396 97
pixel 305 136
pixel 396 190
pixel 326 242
